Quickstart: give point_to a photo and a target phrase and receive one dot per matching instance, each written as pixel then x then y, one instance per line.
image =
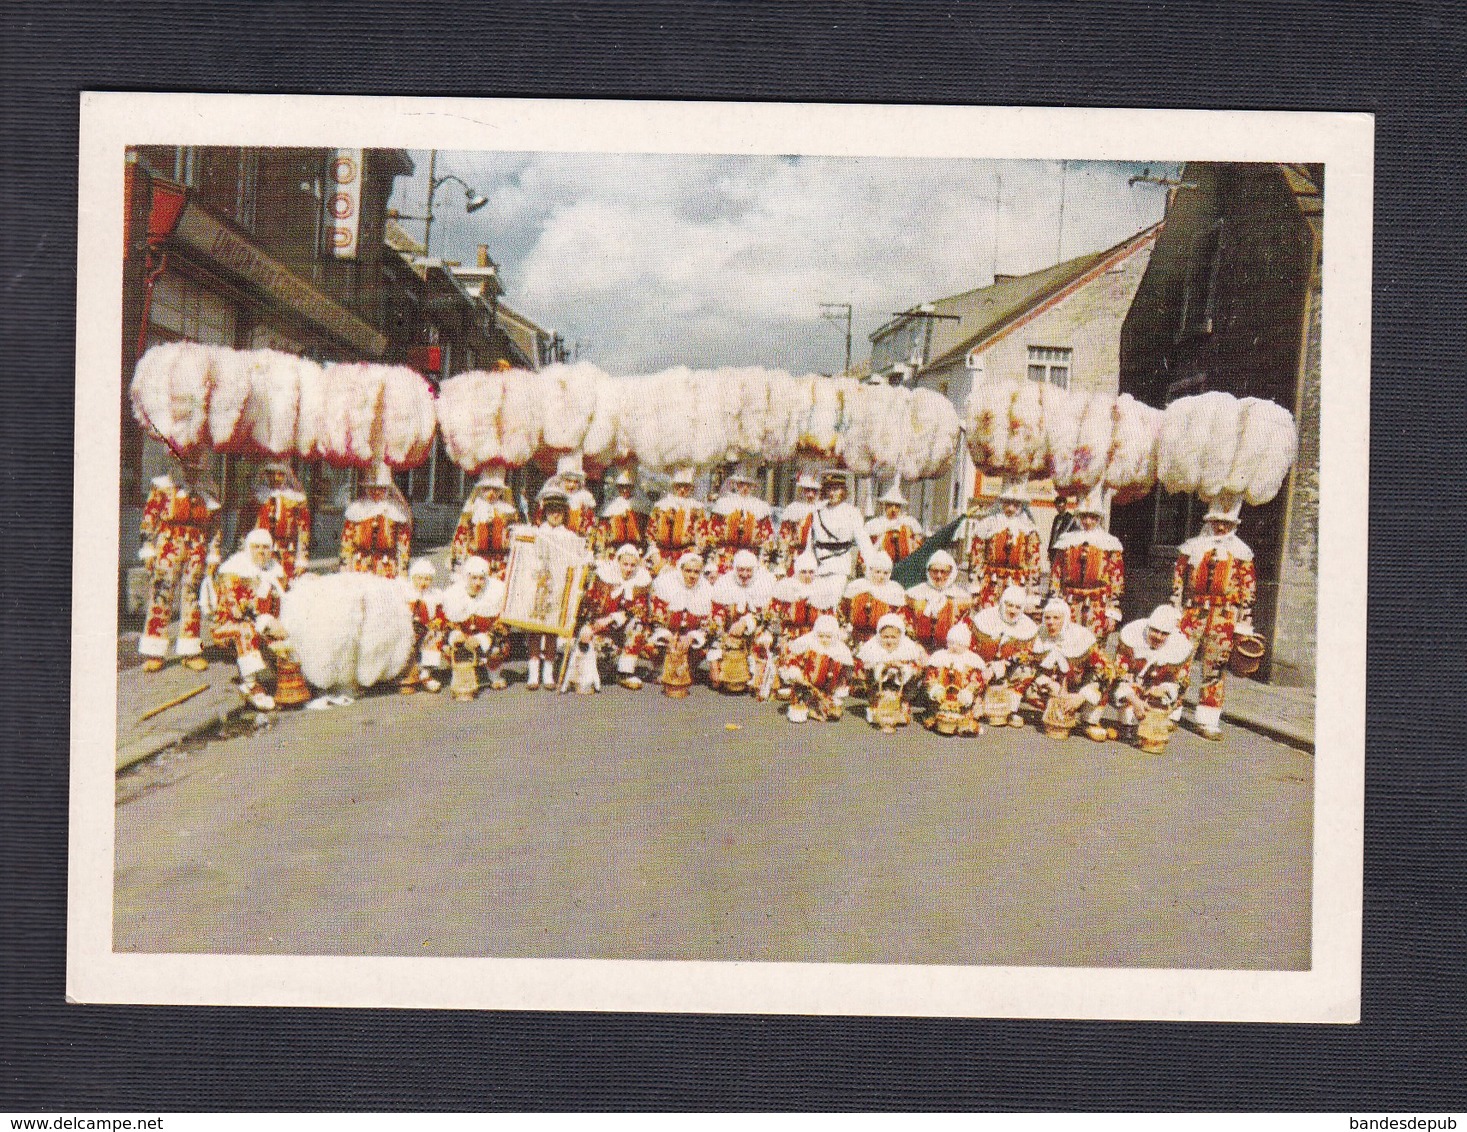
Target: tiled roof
pixel 995 306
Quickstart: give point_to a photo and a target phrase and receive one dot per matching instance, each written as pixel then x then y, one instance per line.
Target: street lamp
pixel 473 199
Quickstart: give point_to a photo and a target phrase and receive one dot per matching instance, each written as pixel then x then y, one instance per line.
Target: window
pixel 246 188
pixel 1051 364
pixel 1199 293
pixel 182 306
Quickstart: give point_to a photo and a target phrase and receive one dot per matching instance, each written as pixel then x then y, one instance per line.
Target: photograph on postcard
pixel 893 560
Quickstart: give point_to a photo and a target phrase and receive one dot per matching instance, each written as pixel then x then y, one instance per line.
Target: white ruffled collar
pixel 1228 545
pixel 1073 642
pixel 1174 650
pixel 609 574
pixel 1019 524
pixel 748 504
pixel 810 642
pixel 1098 537
pixel 890 590
pixel 670 502
pixel 907 650
pixel 991 624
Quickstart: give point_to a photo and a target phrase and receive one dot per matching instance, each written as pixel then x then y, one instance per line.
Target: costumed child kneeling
pixel 817 669
pixel 246 598
pixel 887 666
pixel 956 677
pixel 425 604
pixel 471 610
pixel 1071 674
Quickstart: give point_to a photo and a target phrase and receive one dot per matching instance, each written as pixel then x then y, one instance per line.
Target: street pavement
pixel 631 826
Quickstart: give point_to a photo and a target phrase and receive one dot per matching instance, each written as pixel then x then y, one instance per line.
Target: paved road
pixel 633 826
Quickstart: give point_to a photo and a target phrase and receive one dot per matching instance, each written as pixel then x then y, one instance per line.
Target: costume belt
pixel 824 551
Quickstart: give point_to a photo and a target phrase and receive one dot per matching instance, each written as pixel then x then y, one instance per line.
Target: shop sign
pixel 344 202
pixel 201 231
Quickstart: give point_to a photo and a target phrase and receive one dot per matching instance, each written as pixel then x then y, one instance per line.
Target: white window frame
pixel 1056 365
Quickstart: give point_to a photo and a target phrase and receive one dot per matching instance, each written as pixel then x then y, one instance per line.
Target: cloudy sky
pixel 652 260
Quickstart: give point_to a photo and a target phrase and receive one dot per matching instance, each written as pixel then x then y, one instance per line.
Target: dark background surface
pixel 1403 62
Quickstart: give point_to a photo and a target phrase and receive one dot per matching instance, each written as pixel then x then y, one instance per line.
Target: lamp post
pixel 473 199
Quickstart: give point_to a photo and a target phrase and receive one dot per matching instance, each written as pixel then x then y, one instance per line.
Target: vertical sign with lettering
pixel 344 202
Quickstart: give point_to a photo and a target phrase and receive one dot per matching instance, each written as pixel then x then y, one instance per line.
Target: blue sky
pixel 704 260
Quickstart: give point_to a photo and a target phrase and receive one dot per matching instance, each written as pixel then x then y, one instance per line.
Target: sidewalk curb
pixel 1269 731
pixel 152 742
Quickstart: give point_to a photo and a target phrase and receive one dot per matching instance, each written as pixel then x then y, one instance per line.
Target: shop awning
pixel 176 219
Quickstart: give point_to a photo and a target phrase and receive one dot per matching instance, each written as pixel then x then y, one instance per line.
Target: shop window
pixel 246 188
pixel 1051 364
pixel 190 311
pixel 265 337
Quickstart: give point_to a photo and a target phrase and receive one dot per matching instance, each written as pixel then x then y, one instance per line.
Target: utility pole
pixel 837 313
pixel 428 214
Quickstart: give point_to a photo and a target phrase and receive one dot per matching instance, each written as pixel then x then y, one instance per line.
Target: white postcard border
pixel 1329 992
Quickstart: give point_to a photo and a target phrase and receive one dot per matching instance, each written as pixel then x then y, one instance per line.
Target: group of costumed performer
pixel 279 506
pixel 1087 568
pixel 484 524
pixel 181 540
pixel 1003 549
pixel 1215 584
pixel 377 529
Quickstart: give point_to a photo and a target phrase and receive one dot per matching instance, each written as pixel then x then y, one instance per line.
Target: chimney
pixel 483 255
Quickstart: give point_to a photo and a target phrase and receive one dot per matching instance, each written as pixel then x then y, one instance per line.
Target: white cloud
pixel 657 260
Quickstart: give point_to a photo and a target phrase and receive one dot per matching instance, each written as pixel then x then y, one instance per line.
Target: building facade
pixel 1231 300
pixel 1061 325
pixel 251 248
pixel 294 249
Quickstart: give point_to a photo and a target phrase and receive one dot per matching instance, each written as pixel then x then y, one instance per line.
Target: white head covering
pixel 746 558
pixel 808 480
pixel 1018 595
pixel 682 475
pixel 492 478
pixel 627 550
pixel 260 537
pixel 891 621
pixel 1164 619
pixel 570 465
pixel 941 558
pixel 893 494
pixel 1227 508
pixel 423 566
pixel 690 556
pixel 475 567
pixel 959 634
pixel 1093 503
pixel 878 559
pixel 1053 605
pixel 807 561
pixel 825 623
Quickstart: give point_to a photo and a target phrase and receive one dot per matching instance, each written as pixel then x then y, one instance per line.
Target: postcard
pixel 572 555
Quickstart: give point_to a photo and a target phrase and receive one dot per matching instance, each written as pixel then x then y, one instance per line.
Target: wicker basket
pixel 1247 655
